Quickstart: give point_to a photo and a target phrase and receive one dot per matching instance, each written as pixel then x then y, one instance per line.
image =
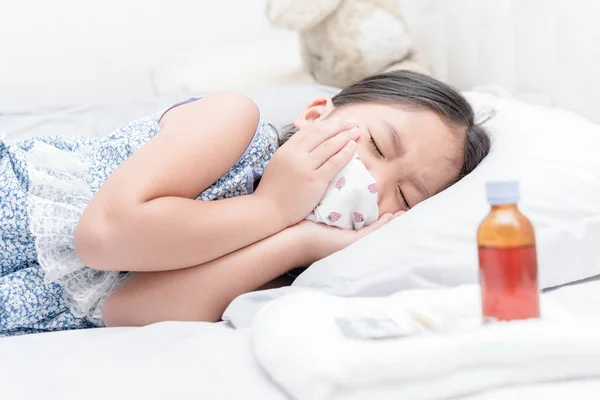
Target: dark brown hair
pixel 412 89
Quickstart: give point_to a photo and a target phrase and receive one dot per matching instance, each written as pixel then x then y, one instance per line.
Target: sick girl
pixel 174 215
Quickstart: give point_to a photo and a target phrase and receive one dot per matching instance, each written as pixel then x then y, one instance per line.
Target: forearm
pixel 171 233
pixel 202 293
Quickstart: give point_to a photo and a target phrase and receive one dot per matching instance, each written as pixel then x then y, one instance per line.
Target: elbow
pixel 93 241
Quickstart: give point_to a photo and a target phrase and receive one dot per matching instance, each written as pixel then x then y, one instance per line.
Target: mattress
pixel 186 360
pixel 180 360
pixel 166 360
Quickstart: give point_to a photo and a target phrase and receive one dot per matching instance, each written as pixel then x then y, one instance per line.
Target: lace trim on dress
pixel 59 193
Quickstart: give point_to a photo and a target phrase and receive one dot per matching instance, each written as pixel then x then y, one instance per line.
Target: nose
pixel 386 207
pixel 386 199
pixel 381 197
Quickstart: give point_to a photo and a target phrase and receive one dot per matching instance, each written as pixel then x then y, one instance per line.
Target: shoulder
pixel 228 109
pixel 216 130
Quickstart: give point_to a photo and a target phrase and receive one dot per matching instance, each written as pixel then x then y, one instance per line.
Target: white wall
pixel 55 52
pixel 543 51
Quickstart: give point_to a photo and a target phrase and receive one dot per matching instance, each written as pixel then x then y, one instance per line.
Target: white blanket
pixel 191 361
pixel 425 344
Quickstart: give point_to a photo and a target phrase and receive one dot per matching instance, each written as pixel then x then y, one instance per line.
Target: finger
pixel 383 220
pixel 336 162
pixel 319 132
pixel 332 146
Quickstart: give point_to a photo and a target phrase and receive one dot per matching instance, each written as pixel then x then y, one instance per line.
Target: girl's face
pixel 412 153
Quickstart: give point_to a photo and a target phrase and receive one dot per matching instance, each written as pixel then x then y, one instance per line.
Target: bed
pixel 193 360
pixel 218 361
pixel 75 96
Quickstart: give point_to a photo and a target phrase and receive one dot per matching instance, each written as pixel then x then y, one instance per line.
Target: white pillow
pixel 554 155
pixel 280 106
pixel 260 63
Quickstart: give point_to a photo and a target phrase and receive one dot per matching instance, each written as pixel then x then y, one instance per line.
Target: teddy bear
pixel 343 41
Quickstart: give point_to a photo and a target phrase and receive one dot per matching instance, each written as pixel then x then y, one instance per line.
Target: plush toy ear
pixel 299 15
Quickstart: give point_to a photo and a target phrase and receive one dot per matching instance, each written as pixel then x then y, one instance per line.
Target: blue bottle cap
pixel 502 192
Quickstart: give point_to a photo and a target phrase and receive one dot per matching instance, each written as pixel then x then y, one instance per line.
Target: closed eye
pixel 374 144
pixel 403 198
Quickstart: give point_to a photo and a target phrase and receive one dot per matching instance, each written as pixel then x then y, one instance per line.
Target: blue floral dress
pixel 45 184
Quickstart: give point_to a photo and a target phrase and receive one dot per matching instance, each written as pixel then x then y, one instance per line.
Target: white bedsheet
pixel 192 361
pixel 162 361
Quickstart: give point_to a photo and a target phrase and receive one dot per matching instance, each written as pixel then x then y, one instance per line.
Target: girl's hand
pixel 321 240
pixel 300 171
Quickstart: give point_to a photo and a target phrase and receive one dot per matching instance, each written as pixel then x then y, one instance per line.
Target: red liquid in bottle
pixel 508 272
pixel 508 279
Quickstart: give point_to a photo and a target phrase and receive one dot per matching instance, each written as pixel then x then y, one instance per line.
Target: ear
pixel 317 110
pixel 299 15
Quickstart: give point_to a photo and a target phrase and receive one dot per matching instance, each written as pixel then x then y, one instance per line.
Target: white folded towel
pixel 421 344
